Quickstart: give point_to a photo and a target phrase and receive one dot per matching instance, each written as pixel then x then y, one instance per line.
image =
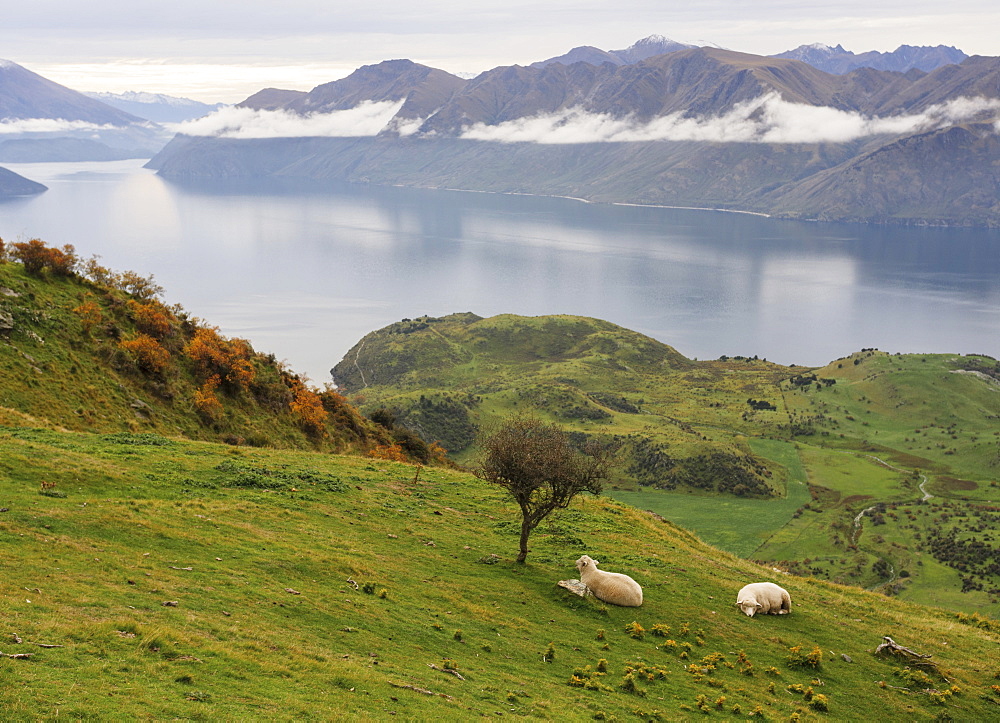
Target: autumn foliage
pixel 39 258
pixel 307 405
pixel 391 452
pixel 206 401
pixel 151 318
pixel 90 314
pixel 147 353
pixel 214 355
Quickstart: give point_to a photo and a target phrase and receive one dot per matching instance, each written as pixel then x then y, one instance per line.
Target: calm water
pixel 305 272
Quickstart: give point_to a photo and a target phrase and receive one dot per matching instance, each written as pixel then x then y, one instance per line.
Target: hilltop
pixel 877 470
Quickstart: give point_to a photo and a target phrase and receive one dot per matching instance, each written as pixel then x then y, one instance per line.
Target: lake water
pixel 305 272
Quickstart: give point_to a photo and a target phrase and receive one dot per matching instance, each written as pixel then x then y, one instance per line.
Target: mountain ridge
pixel 690 128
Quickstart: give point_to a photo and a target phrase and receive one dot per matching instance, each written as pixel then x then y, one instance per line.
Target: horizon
pixel 211 55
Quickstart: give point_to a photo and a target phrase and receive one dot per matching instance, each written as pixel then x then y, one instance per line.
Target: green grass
pixel 268 623
pixel 866 429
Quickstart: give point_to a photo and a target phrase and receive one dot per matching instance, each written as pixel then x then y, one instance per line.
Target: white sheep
pixel 764 597
pixel 612 587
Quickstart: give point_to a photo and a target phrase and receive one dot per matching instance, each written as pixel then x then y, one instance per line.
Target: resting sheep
pixel 764 597
pixel 611 587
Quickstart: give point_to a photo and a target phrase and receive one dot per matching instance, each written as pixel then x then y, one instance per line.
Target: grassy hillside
pixel 85 348
pixel 680 423
pixel 842 472
pixel 194 580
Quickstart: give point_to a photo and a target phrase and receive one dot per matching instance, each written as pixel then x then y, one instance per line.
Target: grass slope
pixel 871 434
pixel 108 355
pixel 259 552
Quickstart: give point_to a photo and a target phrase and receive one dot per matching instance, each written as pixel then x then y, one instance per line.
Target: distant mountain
pixel 35 108
pixel 156 106
pixel 640 50
pixel 27 95
pixel 44 150
pixel 271 99
pixel 699 127
pixel 904 58
pixel 834 60
pixel 12 184
pixel 422 89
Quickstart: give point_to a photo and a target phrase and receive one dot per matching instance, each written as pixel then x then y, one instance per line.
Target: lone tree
pixel 536 464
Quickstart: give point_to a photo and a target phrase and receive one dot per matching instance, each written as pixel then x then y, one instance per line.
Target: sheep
pixel 764 597
pixel 611 587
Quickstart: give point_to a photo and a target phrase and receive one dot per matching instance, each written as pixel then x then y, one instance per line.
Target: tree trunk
pixel 526 528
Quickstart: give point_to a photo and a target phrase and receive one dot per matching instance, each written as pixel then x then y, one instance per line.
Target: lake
pixel 305 271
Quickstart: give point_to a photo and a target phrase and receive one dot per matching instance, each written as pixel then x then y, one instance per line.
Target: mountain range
pixel 829 59
pixel 156 107
pixel 696 127
pixel 45 121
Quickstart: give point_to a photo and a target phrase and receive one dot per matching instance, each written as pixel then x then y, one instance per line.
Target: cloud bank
pixel 767 119
pixel 366 119
pixel 16 126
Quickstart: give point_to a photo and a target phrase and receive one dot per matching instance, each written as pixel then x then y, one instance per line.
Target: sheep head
pixel 749 606
pixel 585 562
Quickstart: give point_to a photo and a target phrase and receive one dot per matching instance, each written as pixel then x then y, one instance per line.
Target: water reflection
pixel 305 270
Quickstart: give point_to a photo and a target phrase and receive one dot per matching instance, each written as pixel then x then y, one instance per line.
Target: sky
pixel 221 51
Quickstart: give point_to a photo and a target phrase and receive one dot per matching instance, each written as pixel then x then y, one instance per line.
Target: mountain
pixel 12 184
pixel 27 95
pixel 157 106
pixel 853 457
pixel 271 99
pixel 33 107
pixel 699 127
pixel 902 59
pixel 640 50
pixel 43 150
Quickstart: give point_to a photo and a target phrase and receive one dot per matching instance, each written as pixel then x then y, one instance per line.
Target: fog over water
pixel 304 272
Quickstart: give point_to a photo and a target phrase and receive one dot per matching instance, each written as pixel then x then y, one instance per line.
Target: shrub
pixel 147 353
pixel 308 407
pixel 151 318
pixel 206 402
pixel 812 659
pixel 90 315
pixel 635 630
pixel 39 258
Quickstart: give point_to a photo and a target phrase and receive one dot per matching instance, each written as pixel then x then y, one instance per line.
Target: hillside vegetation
pixel 201 581
pixel 86 348
pixel 877 470
pixel 158 565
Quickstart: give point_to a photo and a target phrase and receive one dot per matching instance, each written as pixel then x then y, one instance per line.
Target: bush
pixel 147 353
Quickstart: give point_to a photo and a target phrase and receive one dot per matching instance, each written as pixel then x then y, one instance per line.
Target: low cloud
pixel 767 119
pixel 366 119
pixel 17 126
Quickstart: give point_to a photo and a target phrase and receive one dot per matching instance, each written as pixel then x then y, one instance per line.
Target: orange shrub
pixel 152 318
pixel 390 452
pixel 206 401
pixel 37 257
pixel 213 354
pixel 90 315
pixel 147 353
pixel 307 406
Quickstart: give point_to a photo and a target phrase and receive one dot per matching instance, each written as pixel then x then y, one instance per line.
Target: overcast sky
pixel 214 50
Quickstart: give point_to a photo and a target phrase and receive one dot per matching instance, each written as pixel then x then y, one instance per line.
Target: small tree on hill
pixel 538 467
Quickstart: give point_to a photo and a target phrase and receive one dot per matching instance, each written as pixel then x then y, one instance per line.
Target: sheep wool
pixel 611 587
pixel 764 597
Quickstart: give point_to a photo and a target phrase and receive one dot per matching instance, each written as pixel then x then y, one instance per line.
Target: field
pixel 153 578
